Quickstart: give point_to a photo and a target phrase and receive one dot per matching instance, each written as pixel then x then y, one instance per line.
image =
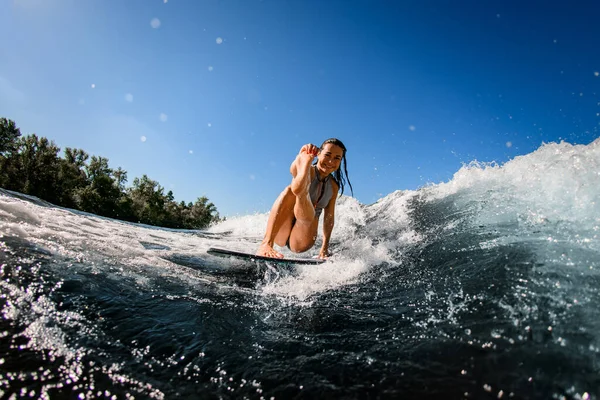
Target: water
pixel 486 286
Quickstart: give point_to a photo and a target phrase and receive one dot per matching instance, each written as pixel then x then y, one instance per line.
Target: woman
pixel 294 217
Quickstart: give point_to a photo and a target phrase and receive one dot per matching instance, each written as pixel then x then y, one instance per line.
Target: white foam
pixel 19 212
pixel 253 225
pixel 557 182
pixel 313 279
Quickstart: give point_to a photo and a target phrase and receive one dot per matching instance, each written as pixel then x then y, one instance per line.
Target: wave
pixel 480 285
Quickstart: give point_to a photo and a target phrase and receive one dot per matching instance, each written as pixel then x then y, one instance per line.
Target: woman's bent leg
pixel 279 224
pixel 303 237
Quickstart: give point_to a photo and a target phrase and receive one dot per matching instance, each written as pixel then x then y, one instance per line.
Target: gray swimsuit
pixel 320 192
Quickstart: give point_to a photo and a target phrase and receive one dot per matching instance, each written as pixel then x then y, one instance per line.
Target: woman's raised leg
pixel 292 204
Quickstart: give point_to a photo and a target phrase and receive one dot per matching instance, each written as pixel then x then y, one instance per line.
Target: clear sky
pixel 216 97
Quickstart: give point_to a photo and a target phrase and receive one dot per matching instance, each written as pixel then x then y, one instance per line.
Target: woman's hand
pixel 324 254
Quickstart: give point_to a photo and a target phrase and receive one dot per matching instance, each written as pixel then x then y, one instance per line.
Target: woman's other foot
pixel 268 251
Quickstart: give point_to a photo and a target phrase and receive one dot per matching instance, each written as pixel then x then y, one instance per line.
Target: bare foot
pixel 301 182
pixel 268 251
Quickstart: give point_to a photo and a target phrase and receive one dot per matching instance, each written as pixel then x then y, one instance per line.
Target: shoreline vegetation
pixel 31 165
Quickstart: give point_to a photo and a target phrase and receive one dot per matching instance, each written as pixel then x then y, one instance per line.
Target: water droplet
pixel 155 23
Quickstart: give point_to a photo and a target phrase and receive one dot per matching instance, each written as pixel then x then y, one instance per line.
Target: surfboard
pixel 252 257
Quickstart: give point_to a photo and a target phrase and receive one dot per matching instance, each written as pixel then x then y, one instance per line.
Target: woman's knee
pixel 300 246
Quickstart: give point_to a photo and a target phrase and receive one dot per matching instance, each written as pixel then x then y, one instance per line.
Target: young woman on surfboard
pixel 294 217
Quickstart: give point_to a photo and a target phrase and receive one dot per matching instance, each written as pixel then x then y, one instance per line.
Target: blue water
pixel 486 286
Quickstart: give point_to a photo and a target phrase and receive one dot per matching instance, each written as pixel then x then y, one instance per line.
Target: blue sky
pixel 216 97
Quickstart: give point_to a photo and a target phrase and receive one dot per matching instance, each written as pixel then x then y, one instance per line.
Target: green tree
pixel 9 143
pixel 72 176
pixel 148 200
pixel 32 168
pixel 202 213
pixel 101 195
pixel 125 204
pixel 31 165
pixel 121 178
pixel 172 218
pixel 9 133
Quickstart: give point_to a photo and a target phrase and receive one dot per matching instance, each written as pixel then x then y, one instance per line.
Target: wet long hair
pixel 340 177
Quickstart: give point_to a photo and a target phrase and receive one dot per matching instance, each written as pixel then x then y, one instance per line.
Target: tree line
pixel 32 165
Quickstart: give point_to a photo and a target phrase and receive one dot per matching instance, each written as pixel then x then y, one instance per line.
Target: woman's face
pixel 329 158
